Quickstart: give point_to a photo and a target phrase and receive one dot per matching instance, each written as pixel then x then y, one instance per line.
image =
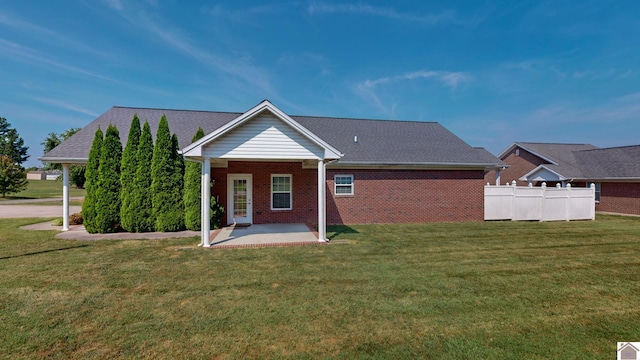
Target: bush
pixel 75 219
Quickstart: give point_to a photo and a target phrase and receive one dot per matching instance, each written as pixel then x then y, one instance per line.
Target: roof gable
pixel 196 149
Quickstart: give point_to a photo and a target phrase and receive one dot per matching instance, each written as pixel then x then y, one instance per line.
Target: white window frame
pixel 335 185
pixel 290 192
pixel 598 190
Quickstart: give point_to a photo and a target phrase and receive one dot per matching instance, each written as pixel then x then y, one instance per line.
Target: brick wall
pixel 380 196
pixel 402 196
pixel 623 198
pixel 520 165
pixel 304 195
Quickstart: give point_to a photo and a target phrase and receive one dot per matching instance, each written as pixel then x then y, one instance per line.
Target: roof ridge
pixel 551 143
pixel 610 148
pixel 363 119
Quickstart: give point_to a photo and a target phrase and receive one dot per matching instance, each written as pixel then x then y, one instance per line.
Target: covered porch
pixel 264 168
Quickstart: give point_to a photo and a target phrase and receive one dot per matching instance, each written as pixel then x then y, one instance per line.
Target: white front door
pixel 239 199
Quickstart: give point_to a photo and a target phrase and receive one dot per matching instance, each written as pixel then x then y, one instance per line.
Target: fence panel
pixel 512 202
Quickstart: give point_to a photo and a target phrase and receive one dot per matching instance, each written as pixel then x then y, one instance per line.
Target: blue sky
pixel 492 72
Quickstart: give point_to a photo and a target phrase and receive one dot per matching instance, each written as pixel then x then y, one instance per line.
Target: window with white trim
pixel 281 192
pixel 597 190
pixel 343 184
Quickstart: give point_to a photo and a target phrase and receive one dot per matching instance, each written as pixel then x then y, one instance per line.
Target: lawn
pixel 41 189
pixel 454 291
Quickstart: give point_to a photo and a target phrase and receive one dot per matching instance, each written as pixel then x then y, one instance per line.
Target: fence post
pixel 568 209
pixel 593 195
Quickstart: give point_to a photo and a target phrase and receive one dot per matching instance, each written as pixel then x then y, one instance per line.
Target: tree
pixel 143 220
pixel 11 144
pixel 76 172
pixel 165 181
pixel 108 192
pixel 91 173
pixel 13 178
pixel 128 168
pixel 192 188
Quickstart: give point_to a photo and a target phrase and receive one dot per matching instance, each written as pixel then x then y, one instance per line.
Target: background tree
pixel 166 179
pixel 143 220
pixel 128 168
pixel 88 205
pixel 13 178
pixel 192 195
pixel 76 172
pixel 11 144
pixel 108 191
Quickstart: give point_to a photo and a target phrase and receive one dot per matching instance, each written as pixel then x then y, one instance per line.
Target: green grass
pixel 42 189
pixel 453 291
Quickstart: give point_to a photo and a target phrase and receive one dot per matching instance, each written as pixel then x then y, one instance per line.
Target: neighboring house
pixel 615 171
pixel 268 167
pixel 44 175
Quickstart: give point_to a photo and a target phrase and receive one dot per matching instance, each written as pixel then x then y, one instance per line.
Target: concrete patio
pixel 265 235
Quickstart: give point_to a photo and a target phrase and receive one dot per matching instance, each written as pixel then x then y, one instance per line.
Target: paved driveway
pixel 35 211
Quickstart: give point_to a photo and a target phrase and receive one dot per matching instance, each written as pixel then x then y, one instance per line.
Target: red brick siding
pixel 520 165
pixel 381 196
pixel 304 194
pixel 623 198
pixel 407 196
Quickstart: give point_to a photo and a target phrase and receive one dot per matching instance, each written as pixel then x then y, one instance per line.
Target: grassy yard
pixel 453 291
pixel 41 189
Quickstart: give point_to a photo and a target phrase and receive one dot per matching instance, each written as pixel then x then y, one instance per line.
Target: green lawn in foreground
pixel 454 291
pixel 41 189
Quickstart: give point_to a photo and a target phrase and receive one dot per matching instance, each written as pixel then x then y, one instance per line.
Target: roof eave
pixel 63 160
pixel 414 165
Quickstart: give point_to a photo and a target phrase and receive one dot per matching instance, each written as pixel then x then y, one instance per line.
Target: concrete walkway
pixel 265 235
pixel 34 211
pixel 31 201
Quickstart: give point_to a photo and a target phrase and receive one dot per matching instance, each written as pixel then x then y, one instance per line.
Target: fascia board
pixel 538 168
pixel 195 149
pixel 514 145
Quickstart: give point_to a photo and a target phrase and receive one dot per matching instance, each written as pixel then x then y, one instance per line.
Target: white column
pixel 206 202
pixel 497 177
pixel 65 197
pixel 322 198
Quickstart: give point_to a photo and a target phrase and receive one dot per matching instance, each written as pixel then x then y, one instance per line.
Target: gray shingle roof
pixel 379 141
pixel 617 162
pixel 561 154
pixel 588 162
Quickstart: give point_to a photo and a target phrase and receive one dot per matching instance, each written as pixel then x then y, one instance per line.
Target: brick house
pixel 615 171
pixel 265 166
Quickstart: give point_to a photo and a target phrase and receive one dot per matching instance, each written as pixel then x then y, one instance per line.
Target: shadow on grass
pixel 338 230
pixel 43 252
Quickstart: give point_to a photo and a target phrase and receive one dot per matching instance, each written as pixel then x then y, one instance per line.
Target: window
pixel 280 192
pixel 597 190
pixel 343 184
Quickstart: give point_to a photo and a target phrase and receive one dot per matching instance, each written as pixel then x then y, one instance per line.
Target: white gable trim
pixel 195 149
pixel 542 168
pixel 514 145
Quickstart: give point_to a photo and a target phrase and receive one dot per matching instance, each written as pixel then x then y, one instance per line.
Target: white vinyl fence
pixel 511 202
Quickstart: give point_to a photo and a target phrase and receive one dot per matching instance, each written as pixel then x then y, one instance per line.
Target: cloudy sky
pixel 493 72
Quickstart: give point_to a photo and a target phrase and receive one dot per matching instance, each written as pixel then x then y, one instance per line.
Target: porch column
pixel 497 177
pixel 322 198
pixel 206 202
pixel 65 197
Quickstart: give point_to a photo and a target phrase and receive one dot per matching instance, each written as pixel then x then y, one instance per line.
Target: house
pixel 265 166
pixel 615 171
pixel 44 175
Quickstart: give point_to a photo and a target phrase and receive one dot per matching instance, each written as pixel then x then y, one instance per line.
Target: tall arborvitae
pixel 128 168
pixel 166 180
pixel 192 189
pixel 108 194
pixel 91 184
pixel 143 220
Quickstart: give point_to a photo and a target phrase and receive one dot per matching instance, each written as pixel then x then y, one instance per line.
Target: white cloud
pixel 64 105
pixel 367 88
pixel 444 17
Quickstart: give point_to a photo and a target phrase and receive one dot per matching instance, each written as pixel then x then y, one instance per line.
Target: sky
pixel 492 72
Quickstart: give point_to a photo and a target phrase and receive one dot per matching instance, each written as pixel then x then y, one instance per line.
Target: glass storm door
pixel 239 199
